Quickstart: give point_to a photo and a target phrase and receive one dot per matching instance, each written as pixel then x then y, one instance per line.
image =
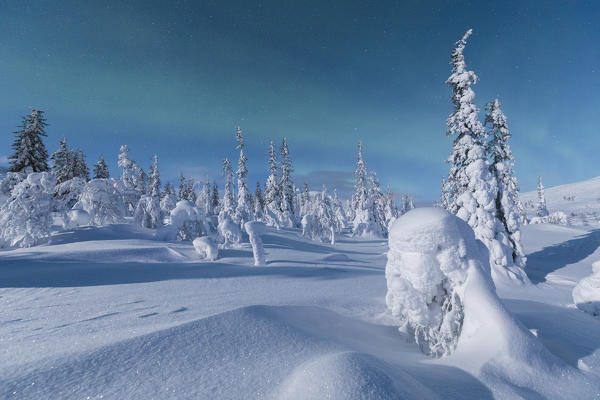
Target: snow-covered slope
pixel 580 201
pixel 112 313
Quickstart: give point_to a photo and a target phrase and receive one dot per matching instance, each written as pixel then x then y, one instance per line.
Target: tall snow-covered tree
pixel 62 163
pixel 377 202
pixel 272 190
pixel 101 169
pixel 305 205
pixel 214 198
pixel 183 188
pixel 203 199
pixel 259 199
pixel 154 184
pixel 390 208
pixel 139 178
pixel 364 220
pixel 360 196
pixel 471 188
pixel 244 208
pixel 29 150
pixel 286 184
pixel 508 205
pixel 80 168
pixel 127 165
pixel 228 196
pixel 541 210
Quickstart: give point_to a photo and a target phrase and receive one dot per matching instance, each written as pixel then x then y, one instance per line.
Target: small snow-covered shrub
pixel 102 202
pixel 586 295
pixel 255 230
pixel 206 247
pixel 148 213
pixel 430 252
pixel 9 182
pixel 129 194
pixel 26 218
pixel 186 222
pixel 75 218
pixel 168 203
pixel 67 193
pixel 557 217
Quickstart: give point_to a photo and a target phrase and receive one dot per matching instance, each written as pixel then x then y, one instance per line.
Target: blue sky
pixel 176 77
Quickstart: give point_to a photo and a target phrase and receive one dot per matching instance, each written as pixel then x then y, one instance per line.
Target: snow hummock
pixel 206 247
pixel 586 294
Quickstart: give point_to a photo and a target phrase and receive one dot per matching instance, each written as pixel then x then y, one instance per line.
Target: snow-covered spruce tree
pixel 26 218
pixel 101 200
pixel 190 192
pixel 214 198
pixel 445 196
pixel 272 193
pixel 338 211
pixel 377 201
pixel 203 200
pixel 127 165
pixel 243 212
pixel 541 210
pixel 169 200
pixel 28 146
pixel 154 180
pixel 139 179
pixel 390 208
pixel 80 168
pixel 470 187
pixel 183 188
pixel 508 205
pixel 101 169
pixel 148 212
pixel 320 223
pixel 62 162
pixel 259 202
pixel 67 193
pixel 305 203
pixel 286 185
pixel 228 208
pixel 364 223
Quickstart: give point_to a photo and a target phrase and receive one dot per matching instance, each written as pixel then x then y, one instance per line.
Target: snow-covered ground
pixel 112 313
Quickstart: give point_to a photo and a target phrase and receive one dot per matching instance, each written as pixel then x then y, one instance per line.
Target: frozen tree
pixel 305 203
pixel 255 231
pixel 127 165
pixel 271 187
pixel 214 198
pixel 203 200
pixel 148 213
pixel 244 206
pixel 541 210
pixel 62 162
pixel 206 247
pixel 445 195
pixel 471 188
pixel 190 192
pixel 321 223
pixel 186 222
pixel 102 202
pixel 139 179
pixel 228 197
pixel 168 200
pixel 28 146
pixel 377 201
pixel 390 209
pixel 101 169
pixel 365 222
pixel 183 188
pixel 360 196
pixel 338 211
pixel 259 198
pixel 286 185
pixel 67 193
pixel 154 180
pixel 80 168
pixel 508 205
pixel 26 218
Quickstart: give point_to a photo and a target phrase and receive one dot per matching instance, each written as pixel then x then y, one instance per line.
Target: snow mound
pixel 206 247
pixel 349 375
pixel 75 218
pixel 586 294
pixel 431 252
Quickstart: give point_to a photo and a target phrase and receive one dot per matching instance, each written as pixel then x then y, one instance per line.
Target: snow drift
pixel 586 294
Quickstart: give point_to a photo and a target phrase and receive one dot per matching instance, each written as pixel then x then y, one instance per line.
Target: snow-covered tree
pixel 139 179
pixel 321 223
pixel 203 201
pixel 365 222
pixel 272 193
pixel 214 198
pixel 183 188
pixel 228 197
pixel 102 202
pixel 127 165
pixel 390 208
pixel 26 218
pixel 305 203
pixel 286 185
pixel 377 202
pixel 67 193
pixel 187 222
pixel 541 210
pixel 471 188
pixel 80 168
pixel 148 213
pixel 154 183
pixel 508 205
pixel 62 162
pixel 101 169
pixel 168 200
pixel 29 150
pixel 244 208
pixel 338 211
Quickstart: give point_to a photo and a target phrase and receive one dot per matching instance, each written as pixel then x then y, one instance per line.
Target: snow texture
pixel 255 230
pixel 586 294
pixel 206 247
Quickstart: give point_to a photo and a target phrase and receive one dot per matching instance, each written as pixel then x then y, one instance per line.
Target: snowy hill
pixel 580 201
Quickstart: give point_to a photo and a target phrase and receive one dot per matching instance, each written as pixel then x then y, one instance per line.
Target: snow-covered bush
pixel 102 202
pixel 187 222
pixel 148 213
pixel 206 247
pixel 320 222
pixel 9 182
pixel 557 218
pixel 430 254
pixel 75 218
pixel 586 295
pixel 26 218
pixel 68 192
pixel 255 230
pixel 129 194
pixel 168 203
pixel 229 232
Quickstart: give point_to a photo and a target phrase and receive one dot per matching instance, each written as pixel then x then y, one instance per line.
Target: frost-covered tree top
pixel 62 162
pixel 80 168
pixel 244 206
pixel 228 196
pixel 29 150
pixel 127 165
pixel 101 169
pixel 360 197
pixel 154 188
pixel 541 210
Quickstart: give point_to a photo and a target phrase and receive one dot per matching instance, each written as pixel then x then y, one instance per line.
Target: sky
pixel 176 77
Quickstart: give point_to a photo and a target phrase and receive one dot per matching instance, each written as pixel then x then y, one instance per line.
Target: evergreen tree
pixel 360 196
pixel 259 198
pixel 377 203
pixel 508 205
pixel 139 178
pixel 101 169
pixel 272 187
pixel 228 196
pixel 190 193
pixel 127 165
pixel 305 200
pixel 28 146
pixel 244 207
pixel 203 200
pixel 214 198
pixel 390 208
pixel 541 210
pixel 286 185
pixel 80 168
pixel 62 161
pixel 154 185
pixel 169 189
pixel 183 188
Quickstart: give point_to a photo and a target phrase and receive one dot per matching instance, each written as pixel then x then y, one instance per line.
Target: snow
pixel 206 247
pixel 115 312
pixel 255 230
pixel 586 295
